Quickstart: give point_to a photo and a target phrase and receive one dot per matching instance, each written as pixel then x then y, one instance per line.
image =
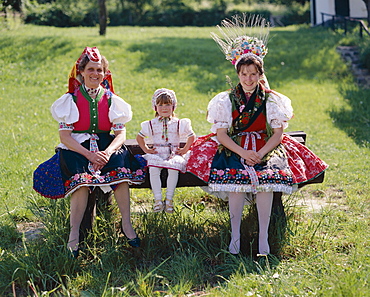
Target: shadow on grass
pixel 295 54
pixel 355 119
pixel 186 250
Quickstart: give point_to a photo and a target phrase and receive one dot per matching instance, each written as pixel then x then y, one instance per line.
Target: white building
pixel 351 8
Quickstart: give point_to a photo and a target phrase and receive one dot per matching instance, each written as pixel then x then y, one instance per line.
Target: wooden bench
pixel 98 198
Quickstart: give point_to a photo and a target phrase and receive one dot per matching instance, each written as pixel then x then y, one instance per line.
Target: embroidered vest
pixel 93 112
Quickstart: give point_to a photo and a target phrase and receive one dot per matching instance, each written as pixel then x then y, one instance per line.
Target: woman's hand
pixel 250 157
pixel 99 159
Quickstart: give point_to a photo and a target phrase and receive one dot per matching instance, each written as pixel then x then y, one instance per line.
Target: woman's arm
pixel 67 139
pixel 251 157
pixel 273 142
pixel 118 141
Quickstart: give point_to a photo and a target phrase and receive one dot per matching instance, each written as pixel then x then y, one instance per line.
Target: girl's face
pixel 164 109
pixel 93 74
pixel 248 77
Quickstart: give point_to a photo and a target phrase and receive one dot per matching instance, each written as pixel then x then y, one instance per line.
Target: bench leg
pixel 97 201
pixel 278 224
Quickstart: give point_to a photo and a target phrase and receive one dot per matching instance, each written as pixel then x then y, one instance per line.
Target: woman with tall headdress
pixel 248 157
pixel 88 155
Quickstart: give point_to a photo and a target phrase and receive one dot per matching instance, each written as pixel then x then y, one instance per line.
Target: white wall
pixel 357 9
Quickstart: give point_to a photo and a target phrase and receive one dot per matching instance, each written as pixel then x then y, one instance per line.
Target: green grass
pixel 326 252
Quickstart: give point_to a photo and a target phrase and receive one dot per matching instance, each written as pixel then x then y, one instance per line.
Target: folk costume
pixel 250 120
pixel 165 135
pixel 102 111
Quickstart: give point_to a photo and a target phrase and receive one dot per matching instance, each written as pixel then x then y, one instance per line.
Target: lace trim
pixel 250 189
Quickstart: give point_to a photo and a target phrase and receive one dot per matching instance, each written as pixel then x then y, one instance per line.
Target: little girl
pixel 165 132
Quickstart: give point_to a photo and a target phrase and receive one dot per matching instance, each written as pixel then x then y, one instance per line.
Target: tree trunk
pixel 103 17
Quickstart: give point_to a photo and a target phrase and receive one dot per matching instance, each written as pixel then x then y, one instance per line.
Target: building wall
pixel 357 9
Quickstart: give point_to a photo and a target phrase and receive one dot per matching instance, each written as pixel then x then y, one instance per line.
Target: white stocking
pixel 264 204
pixel 173 176
pixel 236 205
pixel 155 182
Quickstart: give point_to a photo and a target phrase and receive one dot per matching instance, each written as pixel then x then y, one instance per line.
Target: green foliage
pixel 323 250
pixel 297 14
pixel 365 52
pixel 155 13
pixel 62 14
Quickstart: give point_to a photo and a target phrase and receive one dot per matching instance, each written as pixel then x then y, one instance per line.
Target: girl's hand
pixel 149 150
pixel 250 157
pixel 181 151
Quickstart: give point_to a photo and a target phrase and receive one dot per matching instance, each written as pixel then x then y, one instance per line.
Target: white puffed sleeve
pixel 219 112
pixel 119 112
pixel 145 130
pixel 279 110
pixel 64 110
pixel 185 129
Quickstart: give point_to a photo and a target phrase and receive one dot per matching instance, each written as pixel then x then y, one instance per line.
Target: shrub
pixel 365 53
pixel 53 14
pixel 297 14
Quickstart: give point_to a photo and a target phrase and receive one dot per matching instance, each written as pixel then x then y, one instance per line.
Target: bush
pixel 51 14
pixel 365 53
pixel 297 14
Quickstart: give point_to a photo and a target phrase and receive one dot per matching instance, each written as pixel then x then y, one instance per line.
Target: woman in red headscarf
pixel 89 155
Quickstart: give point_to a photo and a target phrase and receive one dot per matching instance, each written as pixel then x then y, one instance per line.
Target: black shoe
pixel 134 242
pixel 74 254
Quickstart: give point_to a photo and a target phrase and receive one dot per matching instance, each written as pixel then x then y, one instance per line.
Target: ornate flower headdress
pixel 74 79
pixel 168 92
pixel 243 36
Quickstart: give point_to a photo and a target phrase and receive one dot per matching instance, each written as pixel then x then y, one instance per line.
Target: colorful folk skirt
pixel 289 165
pixel 74 173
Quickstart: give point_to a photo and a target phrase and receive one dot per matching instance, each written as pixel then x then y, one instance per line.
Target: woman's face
pixel 248 77
pixel 93 74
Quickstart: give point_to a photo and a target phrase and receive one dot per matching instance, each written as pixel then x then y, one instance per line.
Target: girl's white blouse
pixel 177 130
pixel 278 111
pixel 64 111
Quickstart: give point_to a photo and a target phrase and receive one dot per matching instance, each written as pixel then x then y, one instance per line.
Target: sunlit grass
pixel 327 250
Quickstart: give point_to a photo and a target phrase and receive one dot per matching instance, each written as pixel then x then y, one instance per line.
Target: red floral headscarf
pixel 94 56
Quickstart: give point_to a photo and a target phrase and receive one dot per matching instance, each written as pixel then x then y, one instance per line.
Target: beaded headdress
pixel 75 79
pixel 162 91
pixel 243 36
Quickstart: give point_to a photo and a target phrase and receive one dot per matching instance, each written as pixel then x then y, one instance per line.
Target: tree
pixel 103 17
pixel 15 5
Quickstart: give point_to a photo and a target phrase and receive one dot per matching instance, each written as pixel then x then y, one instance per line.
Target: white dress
pixel 178 130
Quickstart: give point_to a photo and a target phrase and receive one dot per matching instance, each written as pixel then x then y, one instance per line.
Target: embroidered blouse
pixel 278 111
pixel 64 110
pixel 178 130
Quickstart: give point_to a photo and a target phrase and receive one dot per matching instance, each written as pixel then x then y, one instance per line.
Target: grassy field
pixel 326 251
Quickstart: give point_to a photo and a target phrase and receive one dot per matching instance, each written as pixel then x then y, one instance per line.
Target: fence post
pixel 333 23
pixel 322 19
pixel 360 30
